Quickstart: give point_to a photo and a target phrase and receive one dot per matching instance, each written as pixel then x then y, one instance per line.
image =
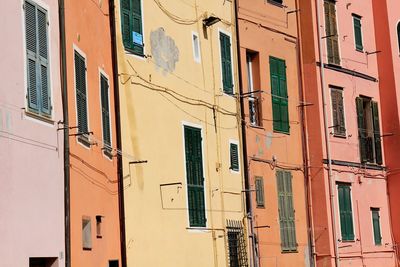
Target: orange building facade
pixel 272 103
pixel 94 213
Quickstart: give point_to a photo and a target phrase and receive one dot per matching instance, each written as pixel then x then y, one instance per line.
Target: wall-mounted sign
pixel 137 38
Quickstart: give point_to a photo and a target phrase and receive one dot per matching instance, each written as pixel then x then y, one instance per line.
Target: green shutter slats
pixel 226 63
pixel 345 212
pixel 357 33
pixel 32 85
pixel 377 133
pixel 131 23
pixel 280 109
pixel 234 155
pixel 362 135
pixel 105 112
pixel 81 99
pixel 195 178
pixel 376 226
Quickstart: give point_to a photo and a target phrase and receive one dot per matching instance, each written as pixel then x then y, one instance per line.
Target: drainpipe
pixel 326 133
pixel 248 192
pixel 307 185
pixel 63 74
pixel 121 203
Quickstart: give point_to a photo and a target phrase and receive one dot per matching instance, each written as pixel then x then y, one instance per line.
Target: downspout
pixel 63 73
pixel 248 192
pixel 121 204
pixel 307 185
pixel 326 133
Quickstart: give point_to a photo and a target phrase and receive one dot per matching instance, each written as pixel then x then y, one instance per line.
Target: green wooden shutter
pixel 376 226
pixel 362 135
pixel 280 109
pixel 226 63
pixel 357 33
pixel 234 155
pixel 377 133
pixel 137 24
pixel 105 110
pixel 195 178
pixel 259 184
pixel 126 23
pixel 81 98
pixel 45 101
pixel 345 212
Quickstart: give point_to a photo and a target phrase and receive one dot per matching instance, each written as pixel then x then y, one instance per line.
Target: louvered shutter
pixel 226 62
pixel 195 178
pixel 137 24
pixel 345 211
pixel 43 62
pixel 362 135
pixel 126 23
pixel 283 96
pixel 105 112
pixel 290 211
pixel 377 133
pixel 376 226
pixel 234 153
pixel 81 97
pixel 280 109
pixel 338 112
pixel 334 96
pixel 259 183
pixel 331 32
pixel 357 33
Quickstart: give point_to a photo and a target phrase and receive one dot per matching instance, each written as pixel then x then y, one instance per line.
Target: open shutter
pixel 357 33
pixel 377 133
pixel 334 96
pixel 362 135
pixel 331 32
pixel 290 211
pixel 137 26
pixel 105 112
pixel 126 23
pixel 283 96
pixel 376 226
pixel 226 62
pixel 234 153
pixel 276 110
pixel 81 99
pixel 282 211
pixel 43 62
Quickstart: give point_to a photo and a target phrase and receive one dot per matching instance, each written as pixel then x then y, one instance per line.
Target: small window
pixel 113 263
pixel 345 212
pixel 105 115
pixel 81 98
pixel 37 60
pixel 338 124
pixel 98 226
pixel 196 47
pixel 278 2
pixel 234 152
pixel 259 182
pixel 226 63
pixel 357 33
pixel 131 22
pixel 236 244
pixel 398 35
pixel 86 234
pixel 376 224
pixel 252 62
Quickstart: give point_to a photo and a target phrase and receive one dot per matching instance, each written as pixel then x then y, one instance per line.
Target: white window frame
pixel 102 72
pixel 196 40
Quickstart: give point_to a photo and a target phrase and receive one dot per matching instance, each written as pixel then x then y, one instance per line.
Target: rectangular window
pixel 332 39
pixel 131 22
pixel 339 128
pixel 37 59
pixel 86 233
pixel 234 156
pixel 226 63
pixel 195 177
pixel 98 226
pixel 81 97
pixel 345 212
pixel 369 130
pixel 357 32
pixel 105 114
pixel 254 99
pixel 113 263
pixel 196 47
pixel 236 244
pixel 286 211
pixel 376 224
pixel 280 107
pixel 259 182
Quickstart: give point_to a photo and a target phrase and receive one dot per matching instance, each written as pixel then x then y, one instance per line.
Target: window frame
pixel 359 18
pixel 130 50
pixel 342 184
pixel 88 245
pixel 106 152
pixel 378 211
pixel 236 143
pixel 260 204
pixel 228 34
pixel 337 36
pixel 198 58
pixel 341 90
pixel 398 36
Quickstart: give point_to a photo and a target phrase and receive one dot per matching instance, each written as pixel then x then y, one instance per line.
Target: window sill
pixel 84 141
pixel 39 117
pixel 260 207
pixel 289 251
pixel 360 50
pixel 340 136
pixel 257 126
pixel 131 52
pixel 281 132
pixel 281 5
pixel 87 249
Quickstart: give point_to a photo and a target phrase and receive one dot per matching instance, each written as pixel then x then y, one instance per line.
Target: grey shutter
pixel 259 184
pixel 81 99
pixel 377 133
pixel 105 110
pixel 362 135
pixel 44 62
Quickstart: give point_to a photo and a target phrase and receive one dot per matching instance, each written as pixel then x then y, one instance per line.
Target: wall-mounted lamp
pixel 211 20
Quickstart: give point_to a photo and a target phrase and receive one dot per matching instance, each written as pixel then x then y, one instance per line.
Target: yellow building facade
pixel 180 133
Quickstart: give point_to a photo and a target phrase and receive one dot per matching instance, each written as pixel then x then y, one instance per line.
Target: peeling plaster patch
pixel 260 151
pixel 307 256
pixel 268 140
pixel 1 119
pixel 164 51
pixel 257 139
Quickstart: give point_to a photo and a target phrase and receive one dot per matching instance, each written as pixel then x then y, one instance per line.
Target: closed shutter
pixel 377 133
pixel 376 226
pixel 226 62
pixel 105 112
pixel 331 32
pixel 81 97
pixel 126 23
pixel 43 62
pixel 345 210
pixel 234 153
pixel 195 178
pixel 362 134
pixel 338 112
pixel 131 23
pixel 280 109
pixel 357 33
pixel 259 183
pixel 286 211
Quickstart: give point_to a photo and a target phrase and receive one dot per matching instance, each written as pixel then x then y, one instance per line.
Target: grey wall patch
pixel 268 140
pixel 164 51
pixel 1 119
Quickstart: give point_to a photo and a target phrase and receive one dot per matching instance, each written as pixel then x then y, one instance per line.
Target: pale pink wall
pixel 31 154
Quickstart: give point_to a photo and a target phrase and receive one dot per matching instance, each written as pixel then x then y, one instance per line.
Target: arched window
pixel 398 35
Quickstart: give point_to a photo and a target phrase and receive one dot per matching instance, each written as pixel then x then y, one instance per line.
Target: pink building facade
pixel 31 155
pixel 348 178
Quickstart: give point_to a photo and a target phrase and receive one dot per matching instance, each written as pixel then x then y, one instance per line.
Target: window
pixel 236 244
pixel 195 177
pixel 105 114
pixel 339 128
pixel 331 32
pixel 196 47
pixel 357 32
pixel 113 263
pixel 226 63
pixel 259 192
pixel 234 156
pixel 286 211
pixel 98 226
pixel 43 262
pixel 254 99
pixel 369 130
pixel 279 2
pixel 81 97
pixel 376 224
pixel 398 35
pixel 37 60
pixel 345 212
pixel 86 234
pixel 280 109
pixel 131 22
